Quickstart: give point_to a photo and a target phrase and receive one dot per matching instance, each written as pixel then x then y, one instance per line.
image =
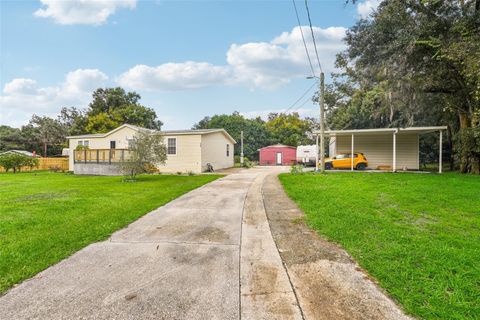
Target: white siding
pixel 188 157
pixel 214 151
pixel 120 137
pixel 378 149
pixel 194 151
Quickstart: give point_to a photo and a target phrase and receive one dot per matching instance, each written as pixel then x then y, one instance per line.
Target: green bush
pixel 80 147
pixel 246 162
pixel 31 162
pixel 16 162
pixel 296 169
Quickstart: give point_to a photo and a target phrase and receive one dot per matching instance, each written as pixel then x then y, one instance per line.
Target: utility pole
pixel 322 122
pixel 241 148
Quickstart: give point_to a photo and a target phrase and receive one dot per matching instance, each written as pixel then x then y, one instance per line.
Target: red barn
pixel 278 154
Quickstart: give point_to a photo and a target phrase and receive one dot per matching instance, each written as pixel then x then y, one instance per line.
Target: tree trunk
pixel 450 146
pixel 465 160
pixel 44 149
pixel 464 120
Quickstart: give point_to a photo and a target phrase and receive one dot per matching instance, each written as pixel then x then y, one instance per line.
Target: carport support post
pixel 352 155
pixel 440 153
pixel 241 148
pixel 394 167
pixel 322 122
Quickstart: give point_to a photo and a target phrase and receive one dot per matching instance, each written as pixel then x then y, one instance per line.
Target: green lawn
pixel 45 217
pixel 417 234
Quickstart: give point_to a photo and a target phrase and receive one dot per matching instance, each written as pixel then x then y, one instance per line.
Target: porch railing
pixel 107 156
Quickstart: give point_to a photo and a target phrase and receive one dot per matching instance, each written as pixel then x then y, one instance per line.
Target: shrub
pixel 296 169
pixel 247 163
pixel 146 152
pixel 16 162
pixel 80 147
pixel 31 162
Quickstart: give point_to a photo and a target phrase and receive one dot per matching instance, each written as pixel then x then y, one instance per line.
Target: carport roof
pixel 418 130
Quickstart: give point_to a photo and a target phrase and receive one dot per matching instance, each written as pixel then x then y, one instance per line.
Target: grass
pixel 45 217
pixel 417 234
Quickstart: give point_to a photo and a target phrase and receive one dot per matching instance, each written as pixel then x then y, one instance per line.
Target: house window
pixel 85 143
pixel 172 146
pixel 228 150
pixel 112 144
pixel 80 142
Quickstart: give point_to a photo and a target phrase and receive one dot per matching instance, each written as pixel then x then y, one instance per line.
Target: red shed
pixel 278 154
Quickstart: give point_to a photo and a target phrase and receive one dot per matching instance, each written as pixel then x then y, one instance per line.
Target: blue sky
pixel 187 59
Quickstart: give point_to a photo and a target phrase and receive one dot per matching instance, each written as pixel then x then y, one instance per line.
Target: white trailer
pixel 307 154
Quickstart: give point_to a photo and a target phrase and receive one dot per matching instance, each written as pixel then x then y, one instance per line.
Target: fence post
pixel 109 156
pixel 123 155
pixel 98 156
pixel 85 155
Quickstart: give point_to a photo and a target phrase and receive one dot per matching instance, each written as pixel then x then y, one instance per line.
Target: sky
pixel 187 59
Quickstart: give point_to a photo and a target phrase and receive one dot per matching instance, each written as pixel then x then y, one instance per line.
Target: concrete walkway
pixel 190 259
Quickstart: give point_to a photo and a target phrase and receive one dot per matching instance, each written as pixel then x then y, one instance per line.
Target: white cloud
pixel 365 8
pixel 256 64
pixel 22 97
pixel 277 62
pixel 21 86
pixel 174 76
pixel 84 80
pixel 90 12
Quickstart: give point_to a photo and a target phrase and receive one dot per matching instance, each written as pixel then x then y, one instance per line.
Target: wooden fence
pixel 47 164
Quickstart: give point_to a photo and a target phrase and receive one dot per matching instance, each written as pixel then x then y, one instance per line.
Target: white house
pixel 22 153
pixel 187 150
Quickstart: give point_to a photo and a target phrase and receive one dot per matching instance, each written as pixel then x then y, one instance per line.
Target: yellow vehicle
pixel 344 161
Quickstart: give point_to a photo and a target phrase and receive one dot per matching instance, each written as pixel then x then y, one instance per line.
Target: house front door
pixel 279 159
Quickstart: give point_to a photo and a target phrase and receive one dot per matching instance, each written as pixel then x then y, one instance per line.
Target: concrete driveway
pixel 206 255
pixel 209 254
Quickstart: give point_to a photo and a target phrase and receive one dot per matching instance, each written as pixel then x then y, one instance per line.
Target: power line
pixel 304 103
pixel 303 38
pixel 301 97
pixel 313 36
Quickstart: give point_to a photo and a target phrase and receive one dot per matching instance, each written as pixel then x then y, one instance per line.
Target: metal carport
pixel 372 134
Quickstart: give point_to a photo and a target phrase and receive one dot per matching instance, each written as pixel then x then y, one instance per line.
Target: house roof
pixel 418 130
pixel 166 132
pixel 21 152
pixel 278 145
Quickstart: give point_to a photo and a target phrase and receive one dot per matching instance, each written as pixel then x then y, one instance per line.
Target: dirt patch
pixel 328 282
pixel 264 277
pixel 211 234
